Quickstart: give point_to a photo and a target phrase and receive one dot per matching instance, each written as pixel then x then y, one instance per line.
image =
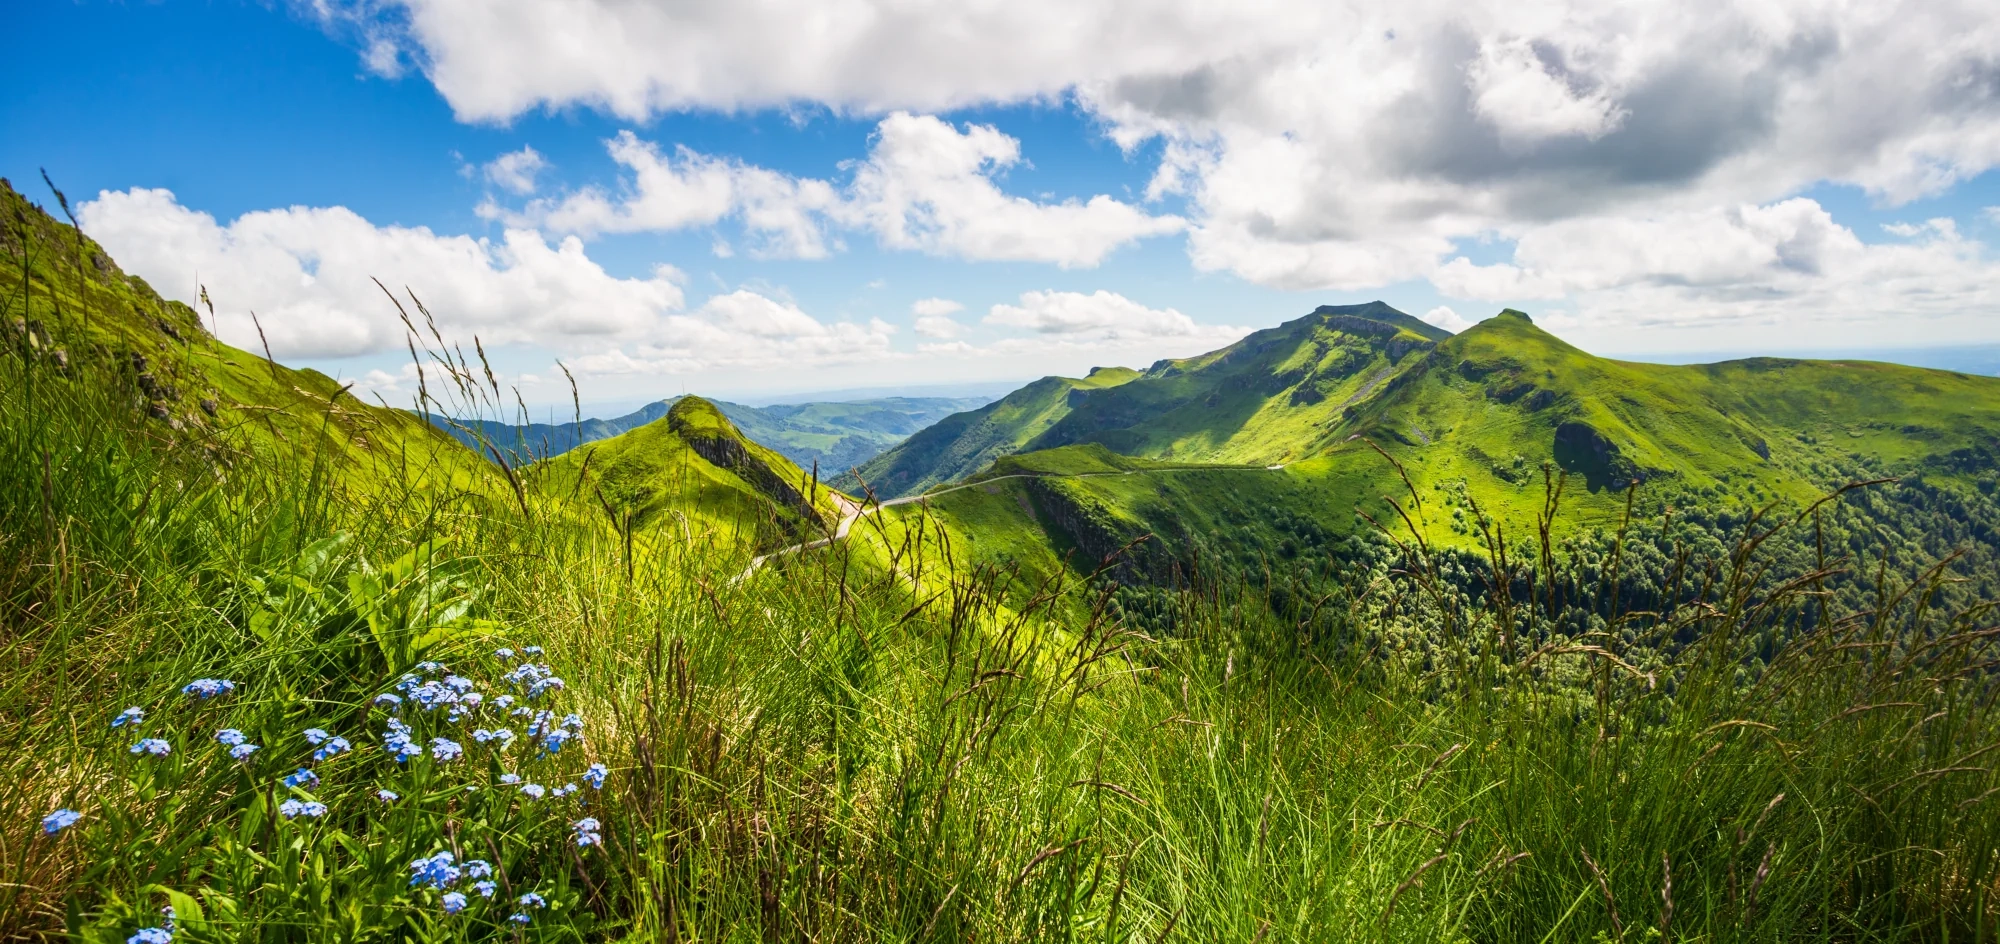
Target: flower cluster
pixel 586 832
pixel 154 746
pixel 311 809
pixel 208 688
pixel 60 820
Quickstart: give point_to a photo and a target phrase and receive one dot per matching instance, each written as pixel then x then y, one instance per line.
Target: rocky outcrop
pixel 712 437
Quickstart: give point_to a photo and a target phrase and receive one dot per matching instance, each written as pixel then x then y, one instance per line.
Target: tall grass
pixel 830 751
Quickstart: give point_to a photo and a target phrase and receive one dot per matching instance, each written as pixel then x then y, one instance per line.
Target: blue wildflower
pixel 478 868
pixel 485 889
pixel 153 746
pixel 446 750
pixel 302 778
pixel 519 918
pixel 453 902
pixel 132 715
pixel 510 778
pixel 553 741
pixel 311 809
pixel 243 751
pixel 208 688
pixel 504 702
pixel 229 737
pixel 408 682
pixel 397 739
pixel 504 655
pixel 389 701
pixel 59 820
pixel 437 871
pixel 430 668
pixel 387 796
pixel 595 776
pixel 531 900
pixel 333 747
pixel 151 936
pixel 586 832
pixel 533 791
pixel 458 683
pixel 316 735
pixel 532 651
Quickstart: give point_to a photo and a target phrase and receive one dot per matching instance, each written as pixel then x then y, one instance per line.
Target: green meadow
pixel 1716 664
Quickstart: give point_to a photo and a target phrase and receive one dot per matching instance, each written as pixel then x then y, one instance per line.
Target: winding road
pixel 852 511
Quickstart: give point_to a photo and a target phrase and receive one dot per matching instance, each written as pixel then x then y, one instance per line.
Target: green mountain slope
pixel 1474 421
pixel 693 468
pixel 80 320
pixel 89 322
pixel 964 443
pixel 1272 397
pixel 836 435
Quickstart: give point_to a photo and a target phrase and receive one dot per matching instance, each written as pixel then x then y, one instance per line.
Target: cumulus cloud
pixel 924 185
pixel 688 189
pixel 929 186
pixel 1782 263
pixel 934 317
pixel 515 171
pixel 1318 144
pixel 1443 317
pixel 308 274
pixel 1105 317
pixel 746 329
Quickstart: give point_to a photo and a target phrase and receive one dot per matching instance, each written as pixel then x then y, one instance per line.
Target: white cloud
pixel 934 317
pixel 1104 317
pixel 928 186
pixel 1318 144
pixel 688 189
pixel 308 274
pixel 515 171
pixel 1786 263
pixel 744 329
pixel 924 186
pixel 1517 90
pixel 1443 317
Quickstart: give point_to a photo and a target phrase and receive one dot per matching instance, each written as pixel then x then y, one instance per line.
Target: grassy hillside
pixel 964 443
pixel 692 469
pixel 1274 396
pixel 74 311
pixel 290 692
pixel 836 435
pixel 1493 428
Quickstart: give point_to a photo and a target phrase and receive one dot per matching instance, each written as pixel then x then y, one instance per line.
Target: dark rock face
pixel 728 452
pixel 1581 449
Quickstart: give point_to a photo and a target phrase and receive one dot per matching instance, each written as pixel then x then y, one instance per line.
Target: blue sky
pixel 1450 164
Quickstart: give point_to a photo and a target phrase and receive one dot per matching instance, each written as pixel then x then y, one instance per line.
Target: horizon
pixel 979 200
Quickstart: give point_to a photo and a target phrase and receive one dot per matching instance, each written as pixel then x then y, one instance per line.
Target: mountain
pixel 1472 420
pixel 160 376
pixel 91 323
pixel 1272 397
pixel 692 467
pixel 836 435
pixel 964 443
